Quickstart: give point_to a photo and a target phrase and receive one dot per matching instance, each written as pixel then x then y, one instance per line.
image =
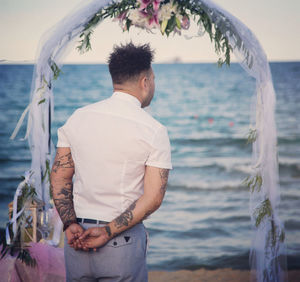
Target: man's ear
pixel 143 81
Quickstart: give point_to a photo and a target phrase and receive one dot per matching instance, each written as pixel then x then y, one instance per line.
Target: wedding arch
pixel 229 35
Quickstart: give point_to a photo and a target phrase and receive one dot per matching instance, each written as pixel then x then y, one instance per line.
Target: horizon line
pixel 169 62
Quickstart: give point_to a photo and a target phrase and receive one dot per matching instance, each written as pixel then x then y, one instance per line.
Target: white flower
pixel 179 17
pixel 134 15
pixel 137 18
pixel 165 12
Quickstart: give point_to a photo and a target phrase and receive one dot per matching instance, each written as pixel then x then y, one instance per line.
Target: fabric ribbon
pixel 17 214
pixel 18 126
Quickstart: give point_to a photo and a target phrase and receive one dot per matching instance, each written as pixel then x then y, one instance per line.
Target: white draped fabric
pixel 267 254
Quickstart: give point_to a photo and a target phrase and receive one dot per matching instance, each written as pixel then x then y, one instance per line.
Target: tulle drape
pixel 268 253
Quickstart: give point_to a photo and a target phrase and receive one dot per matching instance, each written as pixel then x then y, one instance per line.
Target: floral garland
pixel 168 16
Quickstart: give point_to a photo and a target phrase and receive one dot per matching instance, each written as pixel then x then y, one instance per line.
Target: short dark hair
pixel 128 61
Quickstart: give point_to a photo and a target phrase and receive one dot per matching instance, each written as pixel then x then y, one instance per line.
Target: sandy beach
pixel 203 275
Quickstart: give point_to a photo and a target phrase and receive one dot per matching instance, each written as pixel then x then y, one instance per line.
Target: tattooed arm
pixel 155 184
pixel 62 192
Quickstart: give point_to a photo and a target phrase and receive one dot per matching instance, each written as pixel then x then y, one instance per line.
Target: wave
pixel 221 185
pixel 204 233
pixel 242 165
pixel 292 224
pixel 291 163
pixel 11 159
pixel 9 178
pixel 238 261
pixel 223 141
pixel 5 196
pixel 222 164
pixel 208 186
pixel 211 141
pixel 227 219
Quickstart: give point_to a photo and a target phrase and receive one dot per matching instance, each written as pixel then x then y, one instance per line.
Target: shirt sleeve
pixel 160 155
pixel 62 139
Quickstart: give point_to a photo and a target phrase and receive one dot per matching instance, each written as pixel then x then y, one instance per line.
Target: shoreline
pixel 205 275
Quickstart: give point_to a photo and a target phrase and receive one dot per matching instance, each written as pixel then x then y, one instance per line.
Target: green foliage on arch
pixel 167 16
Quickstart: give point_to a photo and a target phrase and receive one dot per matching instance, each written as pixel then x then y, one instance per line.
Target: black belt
pixel 88 220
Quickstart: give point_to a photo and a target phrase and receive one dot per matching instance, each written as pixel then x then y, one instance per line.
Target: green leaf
pixel 253 182
pixel 163 26
pixel 42 87
pixel 265 209
pixel 171 24
pixel 55 69
pixel 220 62
pixel 48 169
pixel 128 24
pixel 45 81
pixel 25 256
pixel 251 62
pixel 42 101
pixel 282 236
pixel 178 23
pixel 252 136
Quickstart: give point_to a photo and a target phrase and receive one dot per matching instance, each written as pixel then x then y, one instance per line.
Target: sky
pixel 275 23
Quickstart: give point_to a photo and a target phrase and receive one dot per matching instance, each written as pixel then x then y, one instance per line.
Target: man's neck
pixel 128 91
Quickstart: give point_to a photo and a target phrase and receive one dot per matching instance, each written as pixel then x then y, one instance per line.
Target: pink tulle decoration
pixel 50 266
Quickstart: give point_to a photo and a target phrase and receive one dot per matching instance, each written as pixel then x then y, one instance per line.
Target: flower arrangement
pixel 151 14
pixel 169 16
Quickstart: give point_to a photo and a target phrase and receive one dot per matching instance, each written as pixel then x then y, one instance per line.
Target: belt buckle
pixel 80 220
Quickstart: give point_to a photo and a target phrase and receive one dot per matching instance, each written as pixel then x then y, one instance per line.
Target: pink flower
pixel 185 23
pixel 122 16
pixel 153 20
pixel 144 4
pixel 144 14
pixel 156 5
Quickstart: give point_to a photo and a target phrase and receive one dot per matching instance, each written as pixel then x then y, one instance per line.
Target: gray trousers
pixel 123 258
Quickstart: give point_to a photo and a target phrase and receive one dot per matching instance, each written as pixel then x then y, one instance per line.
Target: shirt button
pixel 115 243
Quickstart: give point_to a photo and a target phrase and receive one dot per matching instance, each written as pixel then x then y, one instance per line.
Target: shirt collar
pixel 127 97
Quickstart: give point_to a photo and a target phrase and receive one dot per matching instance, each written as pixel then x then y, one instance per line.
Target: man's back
pixel 120 157
pixel 111 142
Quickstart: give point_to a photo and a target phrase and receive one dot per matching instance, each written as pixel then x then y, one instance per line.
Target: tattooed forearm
pixel 63 201
pixel 126 217
pixel 63 161
pixel 62 187
pixel 164 173
pixel 108 231
pixel 147 214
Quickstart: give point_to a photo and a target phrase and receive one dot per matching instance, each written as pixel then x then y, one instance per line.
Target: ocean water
pixel 204 220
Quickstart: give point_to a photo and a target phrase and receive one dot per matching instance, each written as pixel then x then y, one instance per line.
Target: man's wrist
pixel 68 223
pixel 109 232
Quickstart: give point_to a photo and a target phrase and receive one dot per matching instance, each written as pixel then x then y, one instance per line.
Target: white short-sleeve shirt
pixel 111 142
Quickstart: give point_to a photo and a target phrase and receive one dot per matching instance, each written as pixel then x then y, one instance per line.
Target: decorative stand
pixel 33 221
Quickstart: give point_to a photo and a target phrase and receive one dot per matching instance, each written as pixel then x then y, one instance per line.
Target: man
pixel 121 158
